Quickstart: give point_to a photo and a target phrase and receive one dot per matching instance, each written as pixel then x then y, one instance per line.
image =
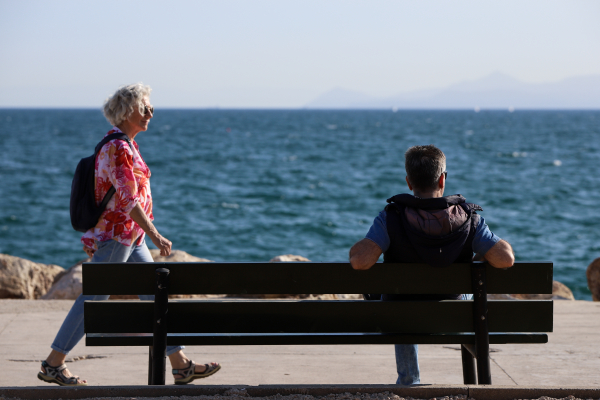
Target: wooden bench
pixel 221 322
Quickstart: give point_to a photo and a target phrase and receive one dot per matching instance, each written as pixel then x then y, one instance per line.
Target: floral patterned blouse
pixel 120 166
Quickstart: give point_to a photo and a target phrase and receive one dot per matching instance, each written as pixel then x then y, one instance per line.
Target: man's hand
pixel 501 255
pixel 364 254
pixel 162 243
pixel 88 251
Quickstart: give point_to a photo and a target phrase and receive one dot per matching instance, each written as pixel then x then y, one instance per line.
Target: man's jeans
pixel 71 331
pixel 407 360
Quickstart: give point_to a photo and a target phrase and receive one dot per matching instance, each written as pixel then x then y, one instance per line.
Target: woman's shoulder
pixel 115 149
pixel 118 145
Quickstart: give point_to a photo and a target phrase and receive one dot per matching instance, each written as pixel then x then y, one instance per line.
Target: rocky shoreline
pixel 24 279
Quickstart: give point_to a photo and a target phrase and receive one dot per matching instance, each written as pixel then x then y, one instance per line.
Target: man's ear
pixel 408 183
pixel 442 181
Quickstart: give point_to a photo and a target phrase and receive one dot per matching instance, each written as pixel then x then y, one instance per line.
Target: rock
pixel 68 285
pixel 593 278
pixel 176 256
pixel 289 258
pixel 560 291
pixel 24 279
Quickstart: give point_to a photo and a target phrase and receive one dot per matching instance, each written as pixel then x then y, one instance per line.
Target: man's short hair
pixel 424 166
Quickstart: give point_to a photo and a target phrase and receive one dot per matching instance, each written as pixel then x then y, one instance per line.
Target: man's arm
pixel 364 254
pixel 501 255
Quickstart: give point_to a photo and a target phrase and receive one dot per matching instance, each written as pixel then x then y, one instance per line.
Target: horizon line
pixel 392 109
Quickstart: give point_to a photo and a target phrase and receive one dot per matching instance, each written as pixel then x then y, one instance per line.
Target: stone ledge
pixel 490 392
pixel 57 392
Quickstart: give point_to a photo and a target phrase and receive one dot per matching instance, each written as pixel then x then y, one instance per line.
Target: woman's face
pixel 140 121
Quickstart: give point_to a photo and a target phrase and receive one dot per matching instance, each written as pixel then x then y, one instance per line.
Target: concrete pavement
pixel 571 358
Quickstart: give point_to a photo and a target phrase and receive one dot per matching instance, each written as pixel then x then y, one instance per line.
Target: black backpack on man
pixel 84 212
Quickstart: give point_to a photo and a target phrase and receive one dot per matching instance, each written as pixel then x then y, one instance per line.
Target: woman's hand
pixel 162 243
pixel 88 251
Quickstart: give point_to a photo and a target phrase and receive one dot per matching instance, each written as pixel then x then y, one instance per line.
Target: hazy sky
pixel 282 53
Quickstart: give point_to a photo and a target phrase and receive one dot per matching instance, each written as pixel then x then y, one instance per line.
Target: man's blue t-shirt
pixel 484 238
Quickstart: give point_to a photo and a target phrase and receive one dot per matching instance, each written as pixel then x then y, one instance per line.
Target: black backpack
pixel 84 213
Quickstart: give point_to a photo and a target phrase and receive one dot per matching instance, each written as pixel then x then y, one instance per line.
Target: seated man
pixel 427 228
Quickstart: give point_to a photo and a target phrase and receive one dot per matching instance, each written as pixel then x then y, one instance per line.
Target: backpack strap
pixel 112 136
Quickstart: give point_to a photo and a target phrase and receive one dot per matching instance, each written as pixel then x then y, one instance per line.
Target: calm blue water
pixel 234 185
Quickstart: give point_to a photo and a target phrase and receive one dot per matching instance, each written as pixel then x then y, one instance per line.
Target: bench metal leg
pixel 484 372
pixel 149 365
pixel 468 365
pixel 161 302
pixel 480 321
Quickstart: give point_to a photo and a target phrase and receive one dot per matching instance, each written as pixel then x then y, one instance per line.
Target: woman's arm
pixel 140 218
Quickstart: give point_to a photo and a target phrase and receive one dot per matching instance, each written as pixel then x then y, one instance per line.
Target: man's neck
pixel 428 195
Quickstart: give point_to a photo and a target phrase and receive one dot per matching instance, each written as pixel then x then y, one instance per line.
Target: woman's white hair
pixel 121 105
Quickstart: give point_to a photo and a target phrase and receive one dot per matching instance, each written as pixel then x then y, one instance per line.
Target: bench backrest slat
pixel 303 278
pixel 317 316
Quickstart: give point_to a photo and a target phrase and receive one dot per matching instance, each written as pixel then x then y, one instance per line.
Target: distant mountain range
pixel 493 91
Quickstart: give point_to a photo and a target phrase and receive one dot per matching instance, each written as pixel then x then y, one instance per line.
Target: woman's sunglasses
pixel 148 109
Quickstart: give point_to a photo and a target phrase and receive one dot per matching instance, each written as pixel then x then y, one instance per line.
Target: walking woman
pixel 119 235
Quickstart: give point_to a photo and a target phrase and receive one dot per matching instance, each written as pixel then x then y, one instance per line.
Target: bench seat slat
pixel 145 339
pixel 301 278
pixel 306 316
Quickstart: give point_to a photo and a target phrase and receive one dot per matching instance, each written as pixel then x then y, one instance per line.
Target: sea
pixel 248 185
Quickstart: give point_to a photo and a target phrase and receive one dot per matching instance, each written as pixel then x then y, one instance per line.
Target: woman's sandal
pixel 189 374
pixel 55 375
